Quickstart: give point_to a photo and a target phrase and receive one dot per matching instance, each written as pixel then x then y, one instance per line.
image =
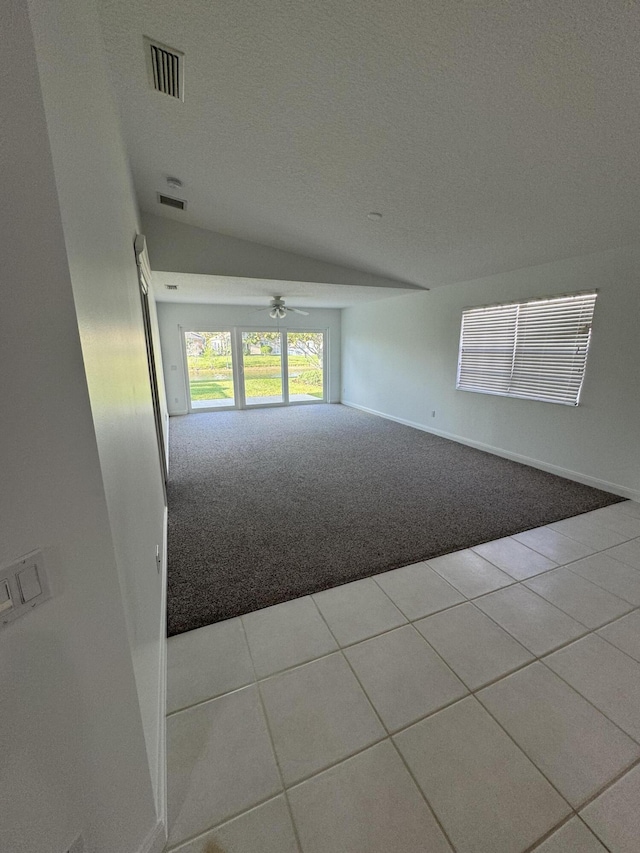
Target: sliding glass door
pixel 262 368
pixel 242 368
pixel 305 359
pixel 210 370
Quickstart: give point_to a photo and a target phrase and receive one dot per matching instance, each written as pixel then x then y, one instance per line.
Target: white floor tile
pixel 318 715
pixel 625 634
pixel 554 545
pixel 514 558
pixel 264 829
pixel 629 508
pixel 469 573
pixel 576 747
pixel 220 762
pixel 611 575
pixel 605 676
pixel 484 790
pixel 628 553
pixel 475 648
pixel 573 837
pixel 356 611
pixel 418 591
pixel 532 620
pixel 207 662
pixel 581 599
pixel 287 635
pixel 615 815
pixel 613 519
pixel 574 717
pixel 587 531
pixel 404 678
pixel 367 804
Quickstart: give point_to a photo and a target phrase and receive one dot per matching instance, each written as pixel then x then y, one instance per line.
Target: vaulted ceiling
pixel 490 134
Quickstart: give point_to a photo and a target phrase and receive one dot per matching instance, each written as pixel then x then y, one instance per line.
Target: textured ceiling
pixel 234 290
pixel 490 135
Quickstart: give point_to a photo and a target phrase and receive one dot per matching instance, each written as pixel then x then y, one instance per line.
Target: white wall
pixel 400 357
pixel 79 715
pixel 203 318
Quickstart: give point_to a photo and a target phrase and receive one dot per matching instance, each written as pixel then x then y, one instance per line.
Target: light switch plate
pixel 27 584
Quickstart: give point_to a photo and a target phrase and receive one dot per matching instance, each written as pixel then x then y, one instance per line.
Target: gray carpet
pixel 270 504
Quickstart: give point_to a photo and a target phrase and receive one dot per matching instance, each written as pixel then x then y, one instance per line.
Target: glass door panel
pixel 305 353
pixel 262 367
pixel 210 368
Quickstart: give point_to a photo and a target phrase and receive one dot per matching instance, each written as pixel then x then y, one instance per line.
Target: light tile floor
pixel 487 701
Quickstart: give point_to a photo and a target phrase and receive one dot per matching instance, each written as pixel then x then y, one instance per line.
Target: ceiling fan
pixel 278 310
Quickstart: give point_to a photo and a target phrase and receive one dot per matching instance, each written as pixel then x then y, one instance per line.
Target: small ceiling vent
pixel 171 286
pixel 177 203
pixel 165 66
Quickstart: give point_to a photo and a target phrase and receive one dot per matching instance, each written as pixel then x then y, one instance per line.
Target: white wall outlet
pixel 23 586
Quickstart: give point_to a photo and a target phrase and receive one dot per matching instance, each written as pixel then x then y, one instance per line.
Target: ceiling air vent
pixel 171 286
pixel 166 68
pixel 178 203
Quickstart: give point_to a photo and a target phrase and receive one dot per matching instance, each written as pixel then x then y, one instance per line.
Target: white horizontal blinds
pixel 486 348
pixel 535 350
pixel 551 348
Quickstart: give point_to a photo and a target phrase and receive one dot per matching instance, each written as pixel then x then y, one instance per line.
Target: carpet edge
pixel 567 473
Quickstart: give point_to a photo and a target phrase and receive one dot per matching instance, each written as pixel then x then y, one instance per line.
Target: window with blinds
pixel 536 350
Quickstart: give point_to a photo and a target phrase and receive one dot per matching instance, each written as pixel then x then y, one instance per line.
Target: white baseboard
pixel 155 841
pixel 577 476
pixel 161 785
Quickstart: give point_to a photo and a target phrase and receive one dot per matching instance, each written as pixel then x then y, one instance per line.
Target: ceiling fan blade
pixel 298 311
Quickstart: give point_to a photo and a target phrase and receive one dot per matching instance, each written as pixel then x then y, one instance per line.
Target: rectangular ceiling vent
pixel 165 66
pixel 177 203
pixel 171 286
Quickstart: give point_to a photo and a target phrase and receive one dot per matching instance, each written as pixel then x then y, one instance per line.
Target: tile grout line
pixel 393 734
pixel 209 699
pixel 408 618
pixel 609 784
pixel 541 659
pixel 575 574
pixel 586 699
pixel 558 826
pixel 599 585
pixel 272 742
pixel 390 736
pixel 544 838
pixel 391 741
pixel 585 803
pixel 595 524
pixel 506 571
pixel 201 833
pixel 535 657
pixel 595 835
